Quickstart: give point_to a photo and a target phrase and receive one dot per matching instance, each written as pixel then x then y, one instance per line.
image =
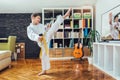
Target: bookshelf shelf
pixel 50 19
pixel 79 21
pixel 67 38
pixel 57 38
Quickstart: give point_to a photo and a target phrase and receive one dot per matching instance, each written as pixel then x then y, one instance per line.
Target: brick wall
pixel 16 24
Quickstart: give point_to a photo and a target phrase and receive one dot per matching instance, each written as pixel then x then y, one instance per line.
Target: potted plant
pixel 92 36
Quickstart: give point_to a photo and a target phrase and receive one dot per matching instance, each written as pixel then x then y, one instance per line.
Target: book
pixel 88 23
pixel 71 24
pixel 83 23
pixel 71 43
pixel 85 32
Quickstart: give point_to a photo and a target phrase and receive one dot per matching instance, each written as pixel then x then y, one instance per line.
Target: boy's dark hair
pixel 115 16
pixel 118 20
pixel 35 15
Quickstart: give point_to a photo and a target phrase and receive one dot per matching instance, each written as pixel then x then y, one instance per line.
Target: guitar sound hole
pixel 77 53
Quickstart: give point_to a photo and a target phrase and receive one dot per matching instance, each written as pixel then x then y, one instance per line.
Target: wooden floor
pixel 60 70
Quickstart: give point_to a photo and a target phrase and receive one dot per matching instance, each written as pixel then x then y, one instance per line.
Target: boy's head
pixel 35 18
pixel 116 18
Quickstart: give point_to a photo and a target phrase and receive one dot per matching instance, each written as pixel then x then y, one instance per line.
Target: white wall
pixel 30 6
pixel 101 7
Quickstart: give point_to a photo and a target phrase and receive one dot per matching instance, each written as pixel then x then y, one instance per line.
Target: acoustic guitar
pixel 78 49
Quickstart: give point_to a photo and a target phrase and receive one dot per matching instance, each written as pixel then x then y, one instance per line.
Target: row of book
pixel 79 24
pixel 72 34
pixel 59 35
pixel 67 34
pixel 85 23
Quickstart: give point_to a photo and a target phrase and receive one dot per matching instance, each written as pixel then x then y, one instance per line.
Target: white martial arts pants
pixel 45 58
pixel 45 61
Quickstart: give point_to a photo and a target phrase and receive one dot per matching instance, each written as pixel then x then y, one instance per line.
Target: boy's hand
pixel 110 18
pixel 40 38
pixel 110 15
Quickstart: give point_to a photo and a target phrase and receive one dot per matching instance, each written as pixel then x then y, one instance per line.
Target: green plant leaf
pixel 92 35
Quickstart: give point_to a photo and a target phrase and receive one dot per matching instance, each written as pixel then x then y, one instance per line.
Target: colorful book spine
pixel 88 23
pixel 71 24
pixel 71 43
pixel 80 23
pixel 50 44
pixel 85 32
pixel 83 23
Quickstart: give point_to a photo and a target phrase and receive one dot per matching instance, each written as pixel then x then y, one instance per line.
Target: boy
pixel 36 32
pixel 114 26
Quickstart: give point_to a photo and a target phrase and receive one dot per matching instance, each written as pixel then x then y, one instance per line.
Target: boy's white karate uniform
pixel 33 32
pixel 115 32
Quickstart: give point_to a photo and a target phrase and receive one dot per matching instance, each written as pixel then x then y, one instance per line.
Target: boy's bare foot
pixel 67 13
pixel 42 73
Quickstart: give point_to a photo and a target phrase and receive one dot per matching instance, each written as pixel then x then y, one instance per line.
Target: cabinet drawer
pixel 55 52
pixel 68 52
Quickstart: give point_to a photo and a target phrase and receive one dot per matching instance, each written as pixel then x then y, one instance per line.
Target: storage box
pixel 77 15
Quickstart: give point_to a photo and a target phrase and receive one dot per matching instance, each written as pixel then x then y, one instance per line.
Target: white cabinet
pixel 106 56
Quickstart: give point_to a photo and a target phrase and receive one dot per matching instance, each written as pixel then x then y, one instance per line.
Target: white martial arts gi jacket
pixel 33 32
pixel 115 32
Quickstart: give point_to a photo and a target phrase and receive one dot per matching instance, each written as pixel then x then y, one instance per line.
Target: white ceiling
pixel 29 6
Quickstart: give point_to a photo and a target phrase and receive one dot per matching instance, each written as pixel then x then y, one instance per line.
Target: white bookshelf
pixel 69 30
pixel 106 56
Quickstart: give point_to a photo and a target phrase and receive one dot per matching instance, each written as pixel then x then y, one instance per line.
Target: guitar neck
pixel 79 39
